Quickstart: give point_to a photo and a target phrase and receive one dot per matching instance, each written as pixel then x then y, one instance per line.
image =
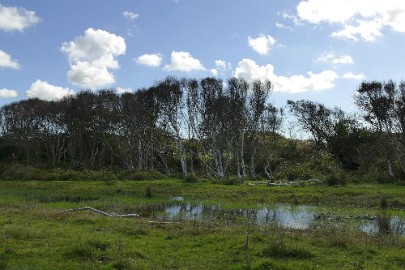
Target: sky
pixel 319 50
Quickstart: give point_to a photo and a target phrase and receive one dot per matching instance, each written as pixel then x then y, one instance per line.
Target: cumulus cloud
pixel 130 15
pixel 262 44
pixel 7 93
pixel 250 71
pixel 330 57
pixel 7 62
pixel 91 56
pixel 352 76
pixel 45 91
pixel 214 72
pixel 282 26
pixel 183 61
pixel 221 67
pixel 16 18
pixel 360 19
pixel 151 60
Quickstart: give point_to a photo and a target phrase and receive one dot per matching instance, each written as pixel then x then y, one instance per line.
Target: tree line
pixel 206 127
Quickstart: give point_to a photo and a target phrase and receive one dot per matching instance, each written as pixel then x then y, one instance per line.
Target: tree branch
pixel 101 212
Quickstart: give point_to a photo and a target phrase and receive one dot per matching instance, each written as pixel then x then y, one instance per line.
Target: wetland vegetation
pixel 226 229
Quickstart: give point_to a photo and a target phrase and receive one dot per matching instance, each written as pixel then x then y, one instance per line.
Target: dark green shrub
pixel 148 191
pixel 18 172
pixel 335 180
pixel 383 222
pixel 232 180
pixel 281 251
pixel 271 265
pixel 191 178
pixel 142 175
pixel 3 262
pixel 383 202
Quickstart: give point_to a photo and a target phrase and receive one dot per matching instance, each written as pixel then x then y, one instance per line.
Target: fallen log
pixel 152 222
pixel 101 212
pixel 294 183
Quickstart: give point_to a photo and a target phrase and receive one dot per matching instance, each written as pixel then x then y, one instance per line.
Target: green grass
pixel 35 234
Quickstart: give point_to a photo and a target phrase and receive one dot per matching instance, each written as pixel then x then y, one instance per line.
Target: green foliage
pixel 148 191
pixel 191 178
pixel 383 202
pixel 281 251
pixel 19 172
pixel 3 262
pixel 335 180
pixel 86 240
pixel 141 175
pixel 271 265
pixel 232 180
pixel 383 222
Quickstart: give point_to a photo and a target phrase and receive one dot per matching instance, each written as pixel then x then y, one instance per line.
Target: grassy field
pixel 35 233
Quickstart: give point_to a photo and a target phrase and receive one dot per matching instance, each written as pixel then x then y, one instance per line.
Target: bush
pixel 191 178
pixel 18 172
pixel 281 251
pixel 141 175
pixel 232 180
pixel 335 180
pixel 148 191
pixel 383 202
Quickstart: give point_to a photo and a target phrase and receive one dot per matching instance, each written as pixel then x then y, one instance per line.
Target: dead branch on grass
pixel 101 212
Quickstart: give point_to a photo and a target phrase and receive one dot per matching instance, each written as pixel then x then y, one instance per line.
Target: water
pixel 286 216
pixel 282 215
pixel 395 225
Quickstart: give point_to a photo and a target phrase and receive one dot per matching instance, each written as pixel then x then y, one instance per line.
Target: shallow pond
pixel 282 215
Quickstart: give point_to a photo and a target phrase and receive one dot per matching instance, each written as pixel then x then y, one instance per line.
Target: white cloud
pixel 352 76
pixel 16 18
pixel 282 26
pixel 221 64
pixel 152 60
pixel 368 30
pixel 7 62
pixel 45 91
pixel 293 18
pixel 130 15
pixel 363 19
pixel 221 68
pixel 262 44
pixel 7 93
pixel 86 75
pixel 91 56
pixel 250 71
pixel 121 90
pixel 214 72
pixel 183 61
pixel 330 57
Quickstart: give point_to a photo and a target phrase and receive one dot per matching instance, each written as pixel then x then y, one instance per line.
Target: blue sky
pixel 315 49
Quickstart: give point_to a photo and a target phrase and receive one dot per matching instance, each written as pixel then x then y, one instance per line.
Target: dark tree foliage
pixel 314 118
pixel 383 107
pixel 205 127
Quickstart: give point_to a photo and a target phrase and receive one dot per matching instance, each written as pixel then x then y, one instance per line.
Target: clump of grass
pixel 282 251
pixel 191 178
pixel 383 222
pixel 232 180
pixel 383 202
pixel 3 262
pixel 335 180
pixel 148 191
pixel 271 265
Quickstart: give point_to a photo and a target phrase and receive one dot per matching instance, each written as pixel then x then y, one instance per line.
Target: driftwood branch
pixel 152 222
pixel 101 212
pixel 289 183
